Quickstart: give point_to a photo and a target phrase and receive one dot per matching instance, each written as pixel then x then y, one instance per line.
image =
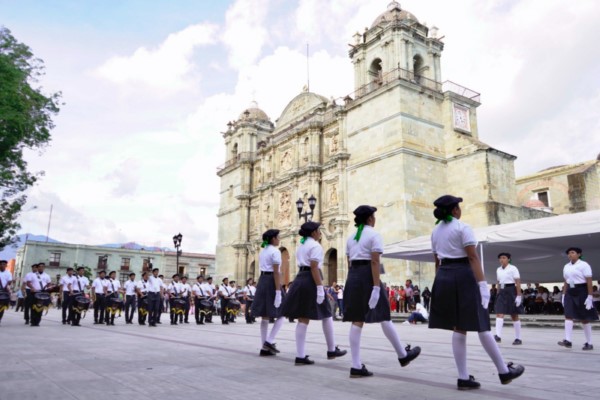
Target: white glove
pixel 485 294
pixel 277 301
pixel 320 294
pixel 518 301
pixel 374 297
pixel 562 300
pixel 589 302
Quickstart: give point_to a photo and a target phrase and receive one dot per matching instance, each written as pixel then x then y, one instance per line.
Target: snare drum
pixel 233 306
pixel 206 305
pixel 52 288
pixel 4 301
pixel 82 303
pixel 178 305
pixel 42 299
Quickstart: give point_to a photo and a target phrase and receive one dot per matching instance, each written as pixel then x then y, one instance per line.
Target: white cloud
pixel 168 67
pixel 245 31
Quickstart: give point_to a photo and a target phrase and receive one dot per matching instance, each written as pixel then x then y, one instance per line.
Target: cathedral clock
pixel 460 115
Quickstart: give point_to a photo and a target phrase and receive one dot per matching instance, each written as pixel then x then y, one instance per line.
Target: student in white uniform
pixel 306 298
pixel 226 293
pixel 36 284
pixel 211 291
pixel 66 288
pixel 509 297
pixel 113 302
pixel 200 297
pixel 5 281
pixel 142 298
pixel 249 291
pixel 98 296
pixel 155 292
pixel 460 294
pixel 365 298
pixel 27 291
pixel 186 291
pixel 174 289
pixel 130 298
pixel 80 284
pixel 268 296
pixel 578 298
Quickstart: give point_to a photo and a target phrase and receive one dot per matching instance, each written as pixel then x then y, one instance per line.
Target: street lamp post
pixel 177 242
pixel 312 202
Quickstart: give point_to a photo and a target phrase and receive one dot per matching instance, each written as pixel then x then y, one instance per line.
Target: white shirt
pixel 309 251
pixel 185 289
pixel 449 239
pixel 112 285
pixel 37 277
pixel 28 277
pixel 65 281
pixel 155 284
pixel 507 275
pixel 98 285
pixel 226 291
pixel 130 287
pixel 208 288
pixel 370 242
pixel 249 290
pixel 577 273
pixel 422 310
pixel 143 286
pixel 268 257
pixel 5 278
pixel 80 281
pixel 199 289
pixel 175 288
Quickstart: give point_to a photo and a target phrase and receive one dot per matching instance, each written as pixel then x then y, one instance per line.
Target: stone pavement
pixel 221 361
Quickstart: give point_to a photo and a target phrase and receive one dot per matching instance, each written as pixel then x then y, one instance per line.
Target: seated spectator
pixel 420 314
pixel 596 297
pixel 556 298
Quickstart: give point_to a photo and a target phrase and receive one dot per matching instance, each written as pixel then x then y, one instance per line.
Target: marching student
pixel 249 292
pixel 365 299
pixel 155 292
pixel 37 284
pixel 130 297
pixel 186 291
pixel 268 296
pixel 460 294
pixel 66 290
pixel 200 296
pixel 111 297
pixel 509 298
pixel 143 302
pixel 225 294
pixel 306 298
pixel 578 298
pixel 174 297
pixel 211 292
pixel 81 283
pixel 98 289
pixel 5 282
pixel 28 302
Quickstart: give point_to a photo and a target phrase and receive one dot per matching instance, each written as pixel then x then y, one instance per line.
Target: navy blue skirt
pixel 262 305
pixel 456 301
pixel 575 304
pixel 505 301
pixel 301 299
pixel 357 293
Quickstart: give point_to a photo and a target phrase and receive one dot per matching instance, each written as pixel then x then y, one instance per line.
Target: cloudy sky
pixel 149 85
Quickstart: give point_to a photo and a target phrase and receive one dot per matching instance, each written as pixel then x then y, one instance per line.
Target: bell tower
pixel 396 41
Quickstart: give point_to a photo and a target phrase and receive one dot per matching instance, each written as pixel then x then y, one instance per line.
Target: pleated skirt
pixel 301 299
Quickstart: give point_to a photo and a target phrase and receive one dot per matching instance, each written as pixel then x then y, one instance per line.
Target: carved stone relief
pixel 285 207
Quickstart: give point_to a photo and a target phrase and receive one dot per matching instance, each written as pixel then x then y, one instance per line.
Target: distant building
pixel 564 189
pixel 59 256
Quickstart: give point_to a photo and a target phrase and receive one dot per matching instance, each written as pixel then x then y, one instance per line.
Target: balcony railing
pixel 240 157
pixel 450 86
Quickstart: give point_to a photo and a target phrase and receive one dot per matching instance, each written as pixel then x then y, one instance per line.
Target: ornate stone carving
pixel 286 161
pixel 333 195
pixel 285 207
pixel 334 144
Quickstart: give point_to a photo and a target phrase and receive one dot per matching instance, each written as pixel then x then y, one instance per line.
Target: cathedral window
pixel 375 71
pixel 417 67
pixel 234 150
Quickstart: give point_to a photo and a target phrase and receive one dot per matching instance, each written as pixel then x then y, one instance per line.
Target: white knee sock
pixel 587 330
pixel 491 347
pixel 568 329
pixel 328 331
pixel 517 325
pixel 355 332
pixel 499 325
pixel 264 326
pixel 275 330
pixel 301 339
pixel 459 348
pixel 390 333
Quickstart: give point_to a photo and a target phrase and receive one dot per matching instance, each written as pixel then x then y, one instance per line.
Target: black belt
pixel 266 272
pixel 508 284
pixel 129 295
pixel 303 269
pixel 447 261
pixel 360 263
pixel 580 284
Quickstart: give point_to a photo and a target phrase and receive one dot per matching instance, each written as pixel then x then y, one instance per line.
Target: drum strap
pixel 40 279
pixel 175 289
pixel 112 286
pixel 79 284
pixel 1 285
pixel 200 289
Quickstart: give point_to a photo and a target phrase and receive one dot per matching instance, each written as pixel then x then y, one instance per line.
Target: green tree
pixel 25 123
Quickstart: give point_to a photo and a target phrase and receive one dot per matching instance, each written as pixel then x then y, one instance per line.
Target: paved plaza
pixel 221 361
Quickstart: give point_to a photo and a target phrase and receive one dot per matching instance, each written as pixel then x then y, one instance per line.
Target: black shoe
pixel 142 323
pixel 199 323
pixel 517 342
pixel 152 325
pixel 303 361
pixel 266 353
pixel 588 346
pixel 96 322
pixel 26 322
pixel 513 373
pixel 468 384
pixel 270 346
pixel 186 322
pixel 225 322
pixel 497 339
pixel 158 322
pixel 565 343
pixel 411 354
pixel 64 322
pixel 360 373
pixel 209 322
pixel 336 353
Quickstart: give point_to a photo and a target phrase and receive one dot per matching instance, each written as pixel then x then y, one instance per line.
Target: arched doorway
pixel 285 265
pixel 375 72
pixel 331 258
pixel 251 270
pixel 417 67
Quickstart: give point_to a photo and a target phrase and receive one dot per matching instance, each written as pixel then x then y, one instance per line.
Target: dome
pixel 253 112
pixel 534 203
pixel 393 12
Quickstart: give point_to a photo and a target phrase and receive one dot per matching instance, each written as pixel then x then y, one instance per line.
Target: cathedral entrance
pixel 331 276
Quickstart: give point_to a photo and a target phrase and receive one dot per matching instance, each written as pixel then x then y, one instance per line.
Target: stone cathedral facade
pixel 399 141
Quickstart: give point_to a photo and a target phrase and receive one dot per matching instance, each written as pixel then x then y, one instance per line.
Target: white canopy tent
pixel 537 246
